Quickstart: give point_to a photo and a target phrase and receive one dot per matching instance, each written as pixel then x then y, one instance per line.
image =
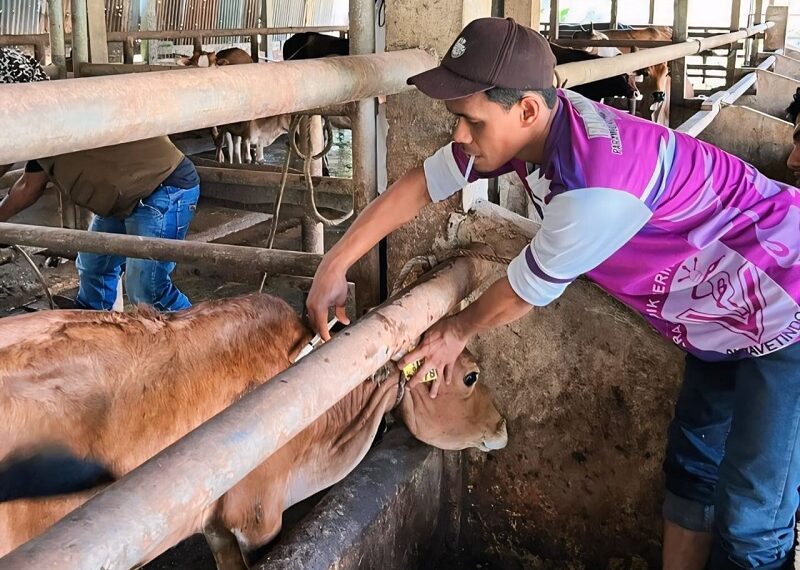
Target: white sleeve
pixel 581 229
pixel 442 175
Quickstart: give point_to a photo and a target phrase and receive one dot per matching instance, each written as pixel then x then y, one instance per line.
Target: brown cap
pixel 490 52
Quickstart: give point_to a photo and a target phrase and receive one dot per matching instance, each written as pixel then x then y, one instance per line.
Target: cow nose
pixel 499 439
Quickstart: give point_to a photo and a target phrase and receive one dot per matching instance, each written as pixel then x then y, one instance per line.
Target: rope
pixel 38 273
pixel 427 262
pixel 304 129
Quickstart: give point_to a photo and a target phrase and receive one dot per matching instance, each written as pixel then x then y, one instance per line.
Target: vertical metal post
pixel 263 18
pixel 652 14
pixel 58 50
pixel 80 36
pixel 614 12
pixel 254 48
pixel 554 10
pixel 736 9
pixel 366 272
pixel 680 33
pixel 127 50
pixel 149 20
pixel 98 42
pixel 312 234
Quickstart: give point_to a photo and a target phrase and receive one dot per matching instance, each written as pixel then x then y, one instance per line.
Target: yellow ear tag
pixel 411 369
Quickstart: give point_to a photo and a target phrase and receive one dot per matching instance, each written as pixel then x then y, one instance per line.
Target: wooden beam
pixel 98 43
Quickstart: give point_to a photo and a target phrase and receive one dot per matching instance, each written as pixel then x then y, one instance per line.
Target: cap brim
pixel 442 84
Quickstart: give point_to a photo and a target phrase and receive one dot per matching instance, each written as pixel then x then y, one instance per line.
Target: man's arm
pixel 395 207
pixel 498 306
pixel 23 194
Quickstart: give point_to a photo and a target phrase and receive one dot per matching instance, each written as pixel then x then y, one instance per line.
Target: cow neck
pixel 383 373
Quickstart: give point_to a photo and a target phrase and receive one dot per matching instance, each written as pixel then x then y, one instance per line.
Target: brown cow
pixel 228 56
pixel 658 73
pixel 117 388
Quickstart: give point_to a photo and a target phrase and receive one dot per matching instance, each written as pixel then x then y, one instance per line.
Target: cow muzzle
pixel 498 440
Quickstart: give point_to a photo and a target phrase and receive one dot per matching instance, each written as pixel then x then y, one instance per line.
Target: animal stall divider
pixel 239 258
pixel 102 111
pixel 571 74
pixel 169 489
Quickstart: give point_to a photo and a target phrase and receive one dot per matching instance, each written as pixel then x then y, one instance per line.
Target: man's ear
pixel 531 106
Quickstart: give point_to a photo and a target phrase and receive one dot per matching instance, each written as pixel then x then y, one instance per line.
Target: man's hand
pixel 329 289
pixel 440 348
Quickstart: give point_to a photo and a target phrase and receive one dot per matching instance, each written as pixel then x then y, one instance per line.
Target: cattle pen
pixel 560 495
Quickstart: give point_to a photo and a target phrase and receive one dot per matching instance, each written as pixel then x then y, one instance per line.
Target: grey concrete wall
pixel 384 515
pixel 787 66
pixel 758 138
pixel 773 93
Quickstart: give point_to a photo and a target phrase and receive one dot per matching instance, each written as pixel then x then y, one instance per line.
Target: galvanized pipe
pixel 170 489
pixel 366 271
pixel 58 50
pixel 230 32
pixel 235 257
pixel 102 111
pixel 579 73
pixel 80 39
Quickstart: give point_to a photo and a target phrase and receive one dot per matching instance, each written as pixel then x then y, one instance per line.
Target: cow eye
pixel 470 378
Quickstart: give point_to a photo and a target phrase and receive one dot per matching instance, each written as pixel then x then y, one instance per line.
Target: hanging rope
pixel 300 132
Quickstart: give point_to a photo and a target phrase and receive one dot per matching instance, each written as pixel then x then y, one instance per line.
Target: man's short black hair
pixel 794 109
pixel 507 98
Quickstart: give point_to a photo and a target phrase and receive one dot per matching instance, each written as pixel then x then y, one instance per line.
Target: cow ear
pixel 183 61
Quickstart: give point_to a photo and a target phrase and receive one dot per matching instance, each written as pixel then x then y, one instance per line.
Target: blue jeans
pixel 165 213
pixel 733 464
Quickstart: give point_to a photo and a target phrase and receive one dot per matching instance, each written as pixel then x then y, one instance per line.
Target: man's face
pixel 487 131
pixel 793 161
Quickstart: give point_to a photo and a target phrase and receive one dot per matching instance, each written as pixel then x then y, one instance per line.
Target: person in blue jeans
pixel 146 188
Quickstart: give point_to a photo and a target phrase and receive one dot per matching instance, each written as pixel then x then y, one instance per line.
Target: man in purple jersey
pixel 700 243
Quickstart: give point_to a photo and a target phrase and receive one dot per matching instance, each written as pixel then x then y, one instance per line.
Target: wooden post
pixel 553 34
pixel 736 9
pixel 98 44
pixel 680 32
pixel 80 36
pixel 652 13
pixel 526 12
pixel 614 12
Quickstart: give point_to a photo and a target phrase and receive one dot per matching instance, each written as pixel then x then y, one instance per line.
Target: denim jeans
pixel 165 213
pixel 733 464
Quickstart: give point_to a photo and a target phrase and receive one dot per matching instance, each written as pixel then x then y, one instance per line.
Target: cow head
pixel 462 415
pixel 229 56
pixel 199 59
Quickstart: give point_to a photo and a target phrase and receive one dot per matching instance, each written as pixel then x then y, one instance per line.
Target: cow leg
pixel 237 149
pixel 229 143
pixel 224 547
pixel 246 142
